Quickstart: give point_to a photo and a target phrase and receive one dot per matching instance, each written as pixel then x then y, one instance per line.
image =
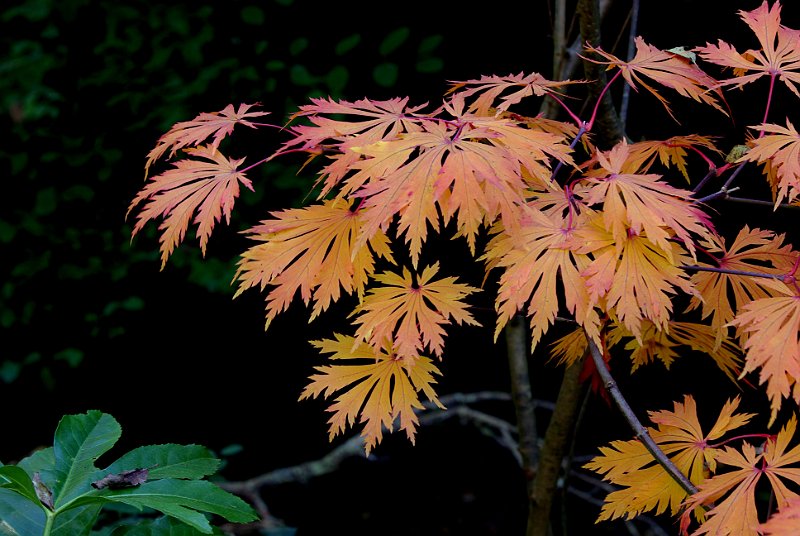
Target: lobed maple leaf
pixel 667 68
pixel 646 485
pixel 736 514
pixel 534 259
pixel 408 313
pixel 216 124
pixel 473 167
pixel 381 388
pixel 633 277
pixel 344 125
pixel 489 88
pixel 663 344
pixel 311 249
pixel 670 152
pixel 785 522
pixel 772 330
pixel 781 149
pixel 635 203
pixel 753 250
pixel 209 185
pixel 779 54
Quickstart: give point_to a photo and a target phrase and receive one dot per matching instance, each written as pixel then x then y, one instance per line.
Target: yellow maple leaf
pixel 381 388
pixel 646 486
pixel 781 149
pixel 313 250
pixel 737 514
pixel 408 313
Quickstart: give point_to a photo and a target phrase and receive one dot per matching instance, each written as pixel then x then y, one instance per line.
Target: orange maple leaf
pixel 772 330
pixel 534 259
pixel 210 186
pixel 667 68
pixel 781 149
pixel 737 514
pixel 786 522
pixel 635 203
pixel 380 388
pixel 367 122
pixel 311 249
pixel 753 250
pixel 779 55
pixel 632 276
pixel 216 124
pixel 408 312
pixel 490 88
pixel 646 486
pixel 670 152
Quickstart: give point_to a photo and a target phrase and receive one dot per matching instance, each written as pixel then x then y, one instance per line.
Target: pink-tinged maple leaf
pixel 779 55
pixel 209 184
pixel 785 522
pixel 409 313
pixel 313 250
pixel 216 124
pixel 772 330
pixel 781 149
pixel 667 68
pixel 339 126
pixel 376 386
pixel 636 203
pixel 490 88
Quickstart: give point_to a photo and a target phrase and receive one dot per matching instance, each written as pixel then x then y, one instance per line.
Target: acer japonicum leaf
pixel 753 250
pixel 771 329
pixel 375 386
pixel 634 204
pixel 124 479
pixel 408 313
pixel 668 69
pixel 520 86
pixel 780 148
pixel 538 261
pixel 733 492
pixel 785 521
pixel 313 250
pixel 645 484
pixel 779 55
pixel 207 185
pixel 187 133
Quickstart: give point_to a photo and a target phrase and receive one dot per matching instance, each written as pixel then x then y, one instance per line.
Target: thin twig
pixel 641 432
pixel 760 202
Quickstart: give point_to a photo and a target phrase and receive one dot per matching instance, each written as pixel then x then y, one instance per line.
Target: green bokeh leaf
pixel 430 65
pixel 385 74
pixel 347 44
pixel 392 41
pixel 252 15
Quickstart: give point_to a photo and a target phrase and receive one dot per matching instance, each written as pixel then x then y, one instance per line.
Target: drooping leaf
pixel 380 388
pixel 670 152
pixel 785 521
pixel 312 249
pixel 772 330
pixel 79 441
pixel 778 56
pixel 16 479
pixel 667 68
pixel 408 312
pixel 216 124
pixel 208 185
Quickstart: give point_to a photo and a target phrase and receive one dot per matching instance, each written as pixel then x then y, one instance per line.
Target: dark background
pixel 87 321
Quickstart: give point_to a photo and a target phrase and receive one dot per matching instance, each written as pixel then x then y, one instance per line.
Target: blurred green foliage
pixel 86 87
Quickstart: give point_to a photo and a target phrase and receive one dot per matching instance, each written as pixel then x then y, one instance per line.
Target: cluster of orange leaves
pixel 609 245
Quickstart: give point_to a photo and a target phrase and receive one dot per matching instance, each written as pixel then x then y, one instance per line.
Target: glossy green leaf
pixel 79 441
pixel 16 479
pixel 168 461
pixel 19 516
